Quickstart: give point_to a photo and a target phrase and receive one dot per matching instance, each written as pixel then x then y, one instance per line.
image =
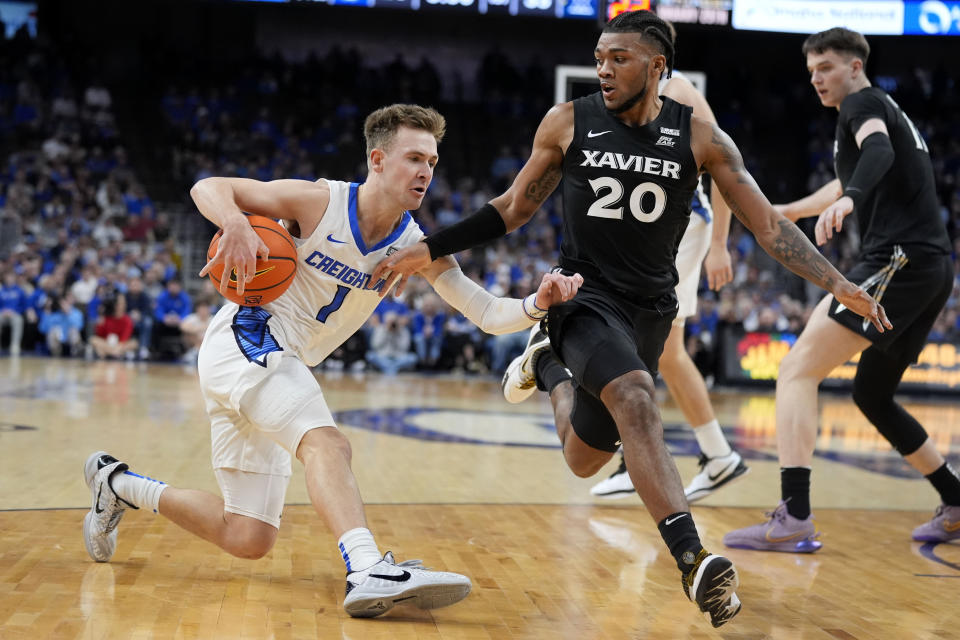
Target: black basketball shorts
pixel 600 337
pixel 912 291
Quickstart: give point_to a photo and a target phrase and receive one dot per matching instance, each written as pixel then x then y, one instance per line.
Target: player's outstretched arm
pixel 536 180
pixel 223 202
pixel 490 313
pixel 779 237
pixel 813 204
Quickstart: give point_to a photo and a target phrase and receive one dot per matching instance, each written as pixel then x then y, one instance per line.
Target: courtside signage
pixel 932 18
pixel 870 17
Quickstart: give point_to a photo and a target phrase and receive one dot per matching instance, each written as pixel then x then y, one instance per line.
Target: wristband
pixel 478 228
pixel 537 313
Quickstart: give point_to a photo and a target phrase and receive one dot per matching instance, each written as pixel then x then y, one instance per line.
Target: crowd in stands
pixel 91 267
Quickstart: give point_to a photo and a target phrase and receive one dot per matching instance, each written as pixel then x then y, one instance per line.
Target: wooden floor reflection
pixel 455 476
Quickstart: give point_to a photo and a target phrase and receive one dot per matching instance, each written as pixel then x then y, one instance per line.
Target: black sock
pixel 549 372
pixel 680 534
pixel 947 484
pixel 795 490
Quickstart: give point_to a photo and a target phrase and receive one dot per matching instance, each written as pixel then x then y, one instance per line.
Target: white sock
pixel 359 550
pixel 712 442
pixel 140 491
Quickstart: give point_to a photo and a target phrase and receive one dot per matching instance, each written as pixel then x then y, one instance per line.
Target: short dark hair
pixel 651 27
pixel 840 40
pixel 381 126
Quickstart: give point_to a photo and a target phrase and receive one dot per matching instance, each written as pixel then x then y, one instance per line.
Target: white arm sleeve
pixel 493 315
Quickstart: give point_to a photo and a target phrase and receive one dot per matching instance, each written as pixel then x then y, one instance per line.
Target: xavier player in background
pixel 704 242
pixel 263 401
pixel 630 164
pixel 884 176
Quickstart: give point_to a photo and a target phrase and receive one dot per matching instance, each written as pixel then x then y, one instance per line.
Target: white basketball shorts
pixel 693 248
pixel 261 399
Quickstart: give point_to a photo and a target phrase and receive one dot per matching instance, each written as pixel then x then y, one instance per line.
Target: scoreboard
pixel 708 12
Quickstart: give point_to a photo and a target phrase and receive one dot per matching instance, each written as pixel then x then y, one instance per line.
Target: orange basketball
pixel 273 275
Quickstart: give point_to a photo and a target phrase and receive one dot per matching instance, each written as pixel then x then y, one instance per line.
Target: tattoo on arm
pixel 784 241
pixel 539 189
pixel 794 251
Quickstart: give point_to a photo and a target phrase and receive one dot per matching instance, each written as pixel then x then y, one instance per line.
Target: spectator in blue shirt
pixel 140 308
pixel 13 302
pixel 173 305
pixel 427 329
pixel 62 323
pixel 35 305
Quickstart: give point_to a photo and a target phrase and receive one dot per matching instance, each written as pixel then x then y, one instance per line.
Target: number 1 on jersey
pixel 335 304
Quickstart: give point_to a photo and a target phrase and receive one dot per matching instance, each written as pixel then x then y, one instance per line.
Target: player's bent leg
pixel 823 345
pixel 247 537
pixel 719 463
pixel 586 430
pixel 244 522
pixel 331 485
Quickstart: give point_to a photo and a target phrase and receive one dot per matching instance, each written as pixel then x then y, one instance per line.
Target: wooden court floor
pixel 455 476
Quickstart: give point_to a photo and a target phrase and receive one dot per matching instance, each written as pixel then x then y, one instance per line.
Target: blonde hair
pixel 381 126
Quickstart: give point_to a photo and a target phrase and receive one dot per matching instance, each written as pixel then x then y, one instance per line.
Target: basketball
pixel 273 275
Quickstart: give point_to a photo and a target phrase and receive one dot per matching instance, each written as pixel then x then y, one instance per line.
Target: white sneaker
pixel 100 523
pixel 377 589
pixel 519 380
pixel 714 473
pixel 617 485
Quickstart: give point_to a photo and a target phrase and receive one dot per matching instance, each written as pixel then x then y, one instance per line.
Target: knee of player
pixel 631 392
pixel 251 544
pixel 324 441
pixel 792 366
pixel 583 467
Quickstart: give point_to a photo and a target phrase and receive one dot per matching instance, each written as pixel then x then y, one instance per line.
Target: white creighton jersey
pixel 331 295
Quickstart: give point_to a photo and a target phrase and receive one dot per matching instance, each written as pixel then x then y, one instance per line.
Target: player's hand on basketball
pixel 555 287
pixel 831 219
pixel 719 267
pixel 862 303
pixel 238 249
pixel 406 262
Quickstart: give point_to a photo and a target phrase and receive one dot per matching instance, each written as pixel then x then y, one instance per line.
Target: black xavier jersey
pixel 626 197
pixel 903 208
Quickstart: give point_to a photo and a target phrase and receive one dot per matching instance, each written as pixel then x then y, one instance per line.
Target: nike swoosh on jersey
pixel 332 239
pixel 403 577
pixel 591 134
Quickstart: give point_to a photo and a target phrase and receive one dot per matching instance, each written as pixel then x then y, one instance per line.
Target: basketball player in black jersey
pixel 885 178
pixel 629 164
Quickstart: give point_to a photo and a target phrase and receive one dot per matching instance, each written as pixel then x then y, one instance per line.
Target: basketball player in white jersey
pixel 704 242
pixel 264 403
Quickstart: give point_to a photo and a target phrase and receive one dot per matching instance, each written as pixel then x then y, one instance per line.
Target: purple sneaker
pixel 782 532
pixel 944 527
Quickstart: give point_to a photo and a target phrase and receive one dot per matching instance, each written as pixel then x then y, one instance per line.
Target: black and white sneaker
pixel 519 380
pixel 100 523
pixel 617 485
pixel 711 584
pixel 714 473
pixel 377 589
